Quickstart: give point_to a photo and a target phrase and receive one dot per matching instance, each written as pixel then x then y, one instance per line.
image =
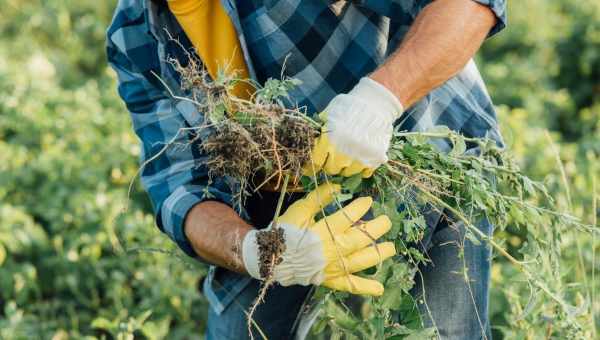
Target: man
pixel 367 65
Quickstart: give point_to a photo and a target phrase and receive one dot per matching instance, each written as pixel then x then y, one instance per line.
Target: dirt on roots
pixel 265 148
pixel 271 245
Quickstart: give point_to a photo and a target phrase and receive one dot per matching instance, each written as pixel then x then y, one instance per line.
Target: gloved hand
pixel 358 131
pixel 326 252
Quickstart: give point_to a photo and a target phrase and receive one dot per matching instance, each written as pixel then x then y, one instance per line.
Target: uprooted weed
pixel 264 149
pixel 255 141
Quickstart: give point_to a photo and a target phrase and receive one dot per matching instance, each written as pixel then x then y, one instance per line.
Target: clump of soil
pixel 271 245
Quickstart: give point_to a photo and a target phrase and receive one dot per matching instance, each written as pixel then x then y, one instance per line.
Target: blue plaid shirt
pixel 328 50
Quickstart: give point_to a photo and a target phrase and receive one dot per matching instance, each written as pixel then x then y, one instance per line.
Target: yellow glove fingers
pixel 354 168
pixel 368 172
pixel 343 218
pixel 336 162
pixel 364 234
pixel 360 260
pixel 321 197
pixel 355 285
pixel 318 156
pixel 301 213
pixel 369 256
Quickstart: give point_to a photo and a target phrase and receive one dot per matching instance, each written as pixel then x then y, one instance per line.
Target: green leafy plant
pixel 473 181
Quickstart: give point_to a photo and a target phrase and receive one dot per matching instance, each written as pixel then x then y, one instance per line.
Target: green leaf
pixel 528 186
pixel 352 183
pixel 422 334
pixel 399 330
pixel 392 297
pixel 308 184
pixel 320 325
pixel 2 254
pixel 441 129
pixel 142 317
pixel 378 208
pixel 516 214
pixel 340 316
pixel 244 118
pixel 409 313
pixel 459 146
pixel 342 197
pixel 383 271
pixel 156 330
pixel 416 255
pixel 471 237
pixel 103 323
pixel 218 114
pixel 401 275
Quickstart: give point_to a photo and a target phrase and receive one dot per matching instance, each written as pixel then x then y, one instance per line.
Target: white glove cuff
pixel 379 96
pixel 250 254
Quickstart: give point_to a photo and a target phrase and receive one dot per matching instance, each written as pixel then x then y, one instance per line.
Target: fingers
pixel 344 218
pixel 360 260
pixel 369 256
pixel 324 156
pixel 353 169
pixel 363 234
pixel 302 212
pixel 336 162
pixel 355 285
pixel 320 197
pixel 368 172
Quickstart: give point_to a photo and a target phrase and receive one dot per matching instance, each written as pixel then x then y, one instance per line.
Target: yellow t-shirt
pixel 211 31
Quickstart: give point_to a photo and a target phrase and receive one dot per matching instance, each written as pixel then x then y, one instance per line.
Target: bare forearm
pixel 443 38
pixel 216 233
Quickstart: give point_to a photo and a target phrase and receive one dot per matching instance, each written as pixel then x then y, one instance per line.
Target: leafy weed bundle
pixel 261 142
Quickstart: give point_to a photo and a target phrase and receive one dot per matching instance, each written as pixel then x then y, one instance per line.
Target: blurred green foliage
pixel 543 73
pixel 67 153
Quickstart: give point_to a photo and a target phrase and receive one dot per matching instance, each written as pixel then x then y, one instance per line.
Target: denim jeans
pixel 452 291
pixel 454 303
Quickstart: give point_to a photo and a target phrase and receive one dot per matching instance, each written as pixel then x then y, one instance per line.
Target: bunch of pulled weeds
pixel 259 142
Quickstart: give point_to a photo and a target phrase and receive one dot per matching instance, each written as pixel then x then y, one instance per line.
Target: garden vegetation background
pixel 67 154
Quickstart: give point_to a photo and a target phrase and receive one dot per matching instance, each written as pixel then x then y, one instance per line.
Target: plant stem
pixel 563 175
pixel 434 135
pixel 561 167
pixel 286 179
pixel 520 265
pixel 471 227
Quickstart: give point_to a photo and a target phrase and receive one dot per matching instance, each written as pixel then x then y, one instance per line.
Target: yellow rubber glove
pixel 212 33
pixel 327 252
pixel 358 131
pixel 325 156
